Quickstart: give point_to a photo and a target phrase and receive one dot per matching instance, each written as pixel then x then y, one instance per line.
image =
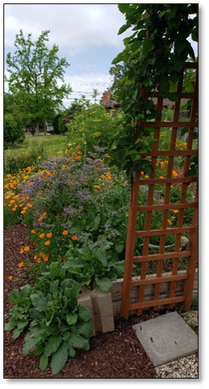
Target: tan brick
pixel 107 323
pixel 104 301
pixel 85 299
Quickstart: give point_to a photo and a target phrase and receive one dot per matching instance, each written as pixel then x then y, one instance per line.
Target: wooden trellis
pixel 165 207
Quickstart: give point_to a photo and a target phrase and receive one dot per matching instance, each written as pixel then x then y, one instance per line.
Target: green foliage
pixel 56 324
pixel 153 58
pixel 91 126
pixel 13 130
pixel 14 162
pixel 79 210
pixel 94 263
pixel 34 71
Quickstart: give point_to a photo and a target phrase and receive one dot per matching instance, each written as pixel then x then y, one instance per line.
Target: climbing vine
pixel 154 56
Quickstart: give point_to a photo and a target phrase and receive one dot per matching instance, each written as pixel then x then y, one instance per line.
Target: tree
pixel 34 74
pixel 95 94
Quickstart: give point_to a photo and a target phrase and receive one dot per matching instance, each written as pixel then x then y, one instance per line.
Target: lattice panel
pixel 164 206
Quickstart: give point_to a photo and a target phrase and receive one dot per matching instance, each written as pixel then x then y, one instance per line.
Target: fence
pixel 148 210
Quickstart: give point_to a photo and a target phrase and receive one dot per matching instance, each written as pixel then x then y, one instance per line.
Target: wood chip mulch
pixel 112 355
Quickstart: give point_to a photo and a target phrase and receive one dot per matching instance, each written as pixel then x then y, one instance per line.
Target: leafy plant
pixel 153 58
pixel 13 130
pixel 57 324
pixel 95 263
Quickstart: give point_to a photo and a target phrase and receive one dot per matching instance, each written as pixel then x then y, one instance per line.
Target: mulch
pixel 116 354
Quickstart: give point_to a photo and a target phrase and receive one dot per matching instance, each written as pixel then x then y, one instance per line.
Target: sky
pixel 87 36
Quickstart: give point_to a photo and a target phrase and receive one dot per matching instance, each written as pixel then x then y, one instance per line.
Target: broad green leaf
pixel 123 7
pixel 97 220
pixel 59 358
pixel 11 324
pixel 104 283
pixel 123 28
pixel 26 290
pixel 84 313
pixel 43 362
pixel 73 286
pixel 119 247
pixel 119 58
pixel 14 296
pixel 71 318
pixel 39 301
pixel 17 332
pixel 85 328
pixel 77 341
pixel 29 345
pixel 147 46
pixel 52 345
pixel 72 352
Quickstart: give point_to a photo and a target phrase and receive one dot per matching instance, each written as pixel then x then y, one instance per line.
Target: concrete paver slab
pixel 166 338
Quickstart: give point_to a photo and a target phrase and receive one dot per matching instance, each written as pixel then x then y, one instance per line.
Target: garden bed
pixel 116 354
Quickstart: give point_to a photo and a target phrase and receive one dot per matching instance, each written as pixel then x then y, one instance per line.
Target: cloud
pixel 85 83
pixel 71 26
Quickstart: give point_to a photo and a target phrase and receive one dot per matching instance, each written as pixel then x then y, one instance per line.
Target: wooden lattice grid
pixel 134 209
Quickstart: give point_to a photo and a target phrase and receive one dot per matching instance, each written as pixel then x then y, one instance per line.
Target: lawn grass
pixel 54 145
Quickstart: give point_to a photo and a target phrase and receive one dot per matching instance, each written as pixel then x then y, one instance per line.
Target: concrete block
pixel 96 312
pixel 100 305
pixel 85 299
pixel 104 301
pixel 166 338
pixel 108 324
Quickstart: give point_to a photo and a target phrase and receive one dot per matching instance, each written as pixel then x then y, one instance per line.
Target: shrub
pixel 13 130
pixel 91 127
pixel 56 324
pixel 13 162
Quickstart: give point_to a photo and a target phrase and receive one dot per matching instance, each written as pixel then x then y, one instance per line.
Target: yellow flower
pixel 33 232
pixel 174 173
pixel 21 264
pixel 65 232
pixel 42 235
pixel 49 235
pixel 97 187
pixel 26 248
pixel 169 222
pixel 10 277
pixel 23 211
pixel 12 201
pixel 14 209
pixel 39 157
pixel 47 243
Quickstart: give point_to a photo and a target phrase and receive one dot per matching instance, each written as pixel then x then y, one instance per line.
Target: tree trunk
pixel 37 129
pixel 45 127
